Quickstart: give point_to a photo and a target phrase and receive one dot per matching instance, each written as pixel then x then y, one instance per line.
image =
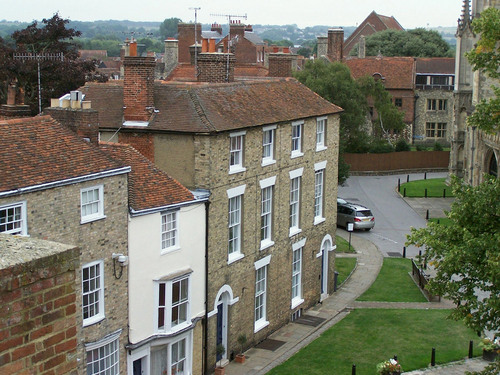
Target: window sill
pixel 318 220
pixel 321 148
pixel 238 169
pixel 85 220
pixel 94 320
pixel 294 231
pixel 169 250
pixel 296 302
pixel 234 257
pixel 266 162
pixel 260 324
pixel 265 244
pixel 296 154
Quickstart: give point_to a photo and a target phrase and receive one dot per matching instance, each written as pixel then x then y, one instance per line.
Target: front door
pixel 222 324
pixel 324 269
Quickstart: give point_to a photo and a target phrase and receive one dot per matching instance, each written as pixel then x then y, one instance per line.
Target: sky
pixel 409 13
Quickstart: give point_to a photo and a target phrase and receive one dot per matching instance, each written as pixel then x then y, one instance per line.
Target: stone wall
pixel 38 316
pixel 423 115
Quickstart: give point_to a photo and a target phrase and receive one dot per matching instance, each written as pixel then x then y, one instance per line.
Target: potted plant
pixel 242 339
pixel 491 348
pixel 389 367
pixel 220 350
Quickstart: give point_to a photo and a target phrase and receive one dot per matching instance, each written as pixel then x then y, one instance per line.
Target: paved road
pixel 393 216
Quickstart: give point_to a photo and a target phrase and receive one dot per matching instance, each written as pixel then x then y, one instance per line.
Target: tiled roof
pixel 390 22
pixel 39 150
pixel 148 186
pixel 435 65
pixel 397 72
pixel 207 107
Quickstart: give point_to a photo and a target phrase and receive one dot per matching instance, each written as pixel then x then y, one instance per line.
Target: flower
pixel 391 366
pixel 490 345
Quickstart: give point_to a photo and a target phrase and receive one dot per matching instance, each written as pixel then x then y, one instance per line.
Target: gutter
pixel 198 199
pixel 69 181
pixel 205 327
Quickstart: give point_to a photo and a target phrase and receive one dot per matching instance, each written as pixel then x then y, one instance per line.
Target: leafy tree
pixel 466 254
pixel 414 43
pixel 283 42
pixel 57 77
pixel 168 28
pixel 485 57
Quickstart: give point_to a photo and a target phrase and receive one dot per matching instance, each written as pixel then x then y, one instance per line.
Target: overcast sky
pixel 409 13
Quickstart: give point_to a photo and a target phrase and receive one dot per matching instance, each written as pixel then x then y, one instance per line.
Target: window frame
pixel 99 214
pixel 319 192
pixel 436 130
pixel 22 230
pixel 236 166
pixel 268 159
pixel 260 295
pixel 96 348
pixel 321 122
pixel 297 137
pixel 398 102
pixel 99 292
pixel 266 185
pixel 295 201
pixel 165 308
pixel 165 231
pixel 296 299
pixel 235 223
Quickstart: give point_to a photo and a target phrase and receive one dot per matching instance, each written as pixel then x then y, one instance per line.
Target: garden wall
pixel 395 162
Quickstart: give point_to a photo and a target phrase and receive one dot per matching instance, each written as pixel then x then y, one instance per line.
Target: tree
pixel 57 77
pixel 485 57
pixel 168 28
pixel 466 254
pixel 413 43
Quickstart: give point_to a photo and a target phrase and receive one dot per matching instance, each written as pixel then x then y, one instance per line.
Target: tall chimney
pixel 186 39
pixel 171 58
pixel 216 67
pixel 138 88
pixel 322 46
pixel 335 44
pixel 362 47
pixel 217 28
pixel 280 64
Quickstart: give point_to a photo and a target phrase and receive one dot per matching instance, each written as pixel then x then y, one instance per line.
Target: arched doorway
pixel 221 331
pixel 326 246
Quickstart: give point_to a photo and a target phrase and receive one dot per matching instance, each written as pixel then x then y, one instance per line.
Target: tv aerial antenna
pixel 196 9
pixel 229 17
pixel 38 57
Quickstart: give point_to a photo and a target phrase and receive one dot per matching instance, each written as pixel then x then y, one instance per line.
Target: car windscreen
pixel 364 213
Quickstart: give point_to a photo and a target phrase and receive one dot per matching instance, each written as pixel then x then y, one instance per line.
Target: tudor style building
pixel 267 152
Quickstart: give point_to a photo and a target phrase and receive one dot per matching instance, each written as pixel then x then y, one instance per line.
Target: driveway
pixel 393 215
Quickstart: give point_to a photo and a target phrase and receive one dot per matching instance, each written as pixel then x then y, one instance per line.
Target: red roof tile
pixel 206 107
pixel 397 72
pixel 39 150
pixel 148 186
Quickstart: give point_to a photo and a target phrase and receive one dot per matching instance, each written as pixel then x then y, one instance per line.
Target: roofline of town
pixel 69 181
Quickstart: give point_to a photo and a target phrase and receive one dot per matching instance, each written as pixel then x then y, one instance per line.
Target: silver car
pixel 360 216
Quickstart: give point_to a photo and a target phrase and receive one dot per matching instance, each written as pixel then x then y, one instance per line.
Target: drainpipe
pixel 472 148
pixel 205 328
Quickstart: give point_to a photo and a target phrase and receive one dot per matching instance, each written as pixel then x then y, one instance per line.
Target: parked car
pixel 360 216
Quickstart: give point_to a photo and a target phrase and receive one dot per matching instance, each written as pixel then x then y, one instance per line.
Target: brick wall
pixel 38 329
pixel 335 44
pixel 423 115
pixel 84 122
pixel 138 88
pixel 142 142
pixel 280 65
pixel 186 39
pixel 54 214
pixel 214 67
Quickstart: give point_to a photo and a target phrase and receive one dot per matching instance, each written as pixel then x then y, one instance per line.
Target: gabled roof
pixel 39 150
pixel 148 186
pixel 209 107
pixel 435 65
pixel 397 72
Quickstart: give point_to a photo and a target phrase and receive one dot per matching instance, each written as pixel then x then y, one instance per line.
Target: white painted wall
pixel 146 264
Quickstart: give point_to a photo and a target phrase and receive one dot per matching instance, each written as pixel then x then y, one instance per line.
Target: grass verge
pixel 434 186
pixel 441 220
pixel 343 246
pixel 369 336
pixel 394 284
pixel 344 267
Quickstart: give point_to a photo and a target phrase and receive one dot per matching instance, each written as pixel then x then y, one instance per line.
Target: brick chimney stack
pixel 280 64
pixel 237 28
pixel 335 44
pixel 138 88
pixel 186 39
pixel 216 67
pixel 217 28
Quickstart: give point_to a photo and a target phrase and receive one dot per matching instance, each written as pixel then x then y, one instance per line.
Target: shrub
pixel 402 145
pixel 438 147
pixel 421 148
pixel 380 146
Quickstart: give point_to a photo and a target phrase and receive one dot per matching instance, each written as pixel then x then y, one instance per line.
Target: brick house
pixel 473 152
pixel 267 152
pixel 57 187
pixel 38 303
pixel 166 268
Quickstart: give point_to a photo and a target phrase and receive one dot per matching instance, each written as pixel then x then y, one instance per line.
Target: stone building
pixel 473 152
pixel 38 306
pixel 57 187
pixel 267 152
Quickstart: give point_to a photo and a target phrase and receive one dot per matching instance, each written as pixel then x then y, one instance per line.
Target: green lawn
pixel 441 220
pixel 344 267
pixel 434 186
pixel 394 284
pixel 369 336
pixel 343 246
